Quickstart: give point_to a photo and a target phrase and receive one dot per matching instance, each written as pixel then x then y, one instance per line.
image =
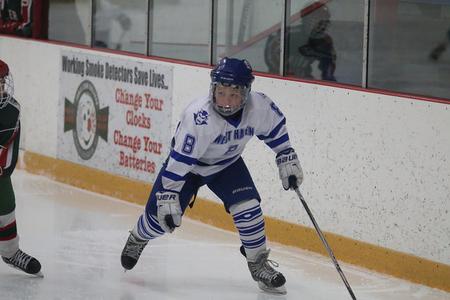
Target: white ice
pixel 78 237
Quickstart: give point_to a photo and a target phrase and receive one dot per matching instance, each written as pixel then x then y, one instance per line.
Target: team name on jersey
pixel 236 134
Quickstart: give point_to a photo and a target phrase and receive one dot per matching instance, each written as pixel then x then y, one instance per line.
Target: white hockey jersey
pixel 206 143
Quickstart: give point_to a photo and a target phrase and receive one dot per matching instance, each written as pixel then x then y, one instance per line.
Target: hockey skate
pixel 132 251
pixel 269 280
pixel 24 262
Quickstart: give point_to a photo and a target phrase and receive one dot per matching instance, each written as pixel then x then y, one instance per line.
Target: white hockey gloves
pixel 169 210
pixel 289 165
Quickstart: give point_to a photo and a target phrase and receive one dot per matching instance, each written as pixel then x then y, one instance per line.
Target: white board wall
pixel 377 167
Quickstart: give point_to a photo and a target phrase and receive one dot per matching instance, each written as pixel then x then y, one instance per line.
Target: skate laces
pixel 134 247
pixel 263 269
pixel 19 259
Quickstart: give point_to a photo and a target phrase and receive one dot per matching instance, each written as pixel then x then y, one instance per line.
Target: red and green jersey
pixel 9 136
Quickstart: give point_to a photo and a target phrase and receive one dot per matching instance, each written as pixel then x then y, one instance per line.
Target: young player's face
pixel 228 96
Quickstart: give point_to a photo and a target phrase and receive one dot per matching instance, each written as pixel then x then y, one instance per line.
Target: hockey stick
pixel 293 183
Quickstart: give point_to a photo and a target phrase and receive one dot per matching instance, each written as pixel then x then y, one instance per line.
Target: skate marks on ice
pixel 78 237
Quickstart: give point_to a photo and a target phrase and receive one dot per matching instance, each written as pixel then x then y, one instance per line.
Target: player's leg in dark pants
pixel 9 241
pixel 235 186
pixel 7 198
pixel 147 226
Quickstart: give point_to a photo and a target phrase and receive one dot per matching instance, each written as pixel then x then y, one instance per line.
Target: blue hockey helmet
pixel 6 84
pixel 232 72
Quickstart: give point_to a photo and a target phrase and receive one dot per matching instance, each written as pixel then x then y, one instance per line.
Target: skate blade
pixel 38 274
pixel 272 290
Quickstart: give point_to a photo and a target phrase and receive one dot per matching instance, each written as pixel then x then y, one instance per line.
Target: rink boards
pixel 370 256
pixel 376 164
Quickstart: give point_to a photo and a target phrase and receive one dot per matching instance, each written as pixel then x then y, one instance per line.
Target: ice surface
pixel 78 237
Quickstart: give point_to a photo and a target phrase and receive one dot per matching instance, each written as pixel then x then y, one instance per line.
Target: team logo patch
pixel 201 117
pixel 85 118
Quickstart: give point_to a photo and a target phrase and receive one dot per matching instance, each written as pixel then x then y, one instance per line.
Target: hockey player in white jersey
pixel 206 150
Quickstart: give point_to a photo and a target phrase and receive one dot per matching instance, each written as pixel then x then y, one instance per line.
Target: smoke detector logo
pixel 86 120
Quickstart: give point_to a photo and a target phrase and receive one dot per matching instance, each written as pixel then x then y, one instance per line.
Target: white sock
pixel 9 247
pixel 147 227
pixel 249 221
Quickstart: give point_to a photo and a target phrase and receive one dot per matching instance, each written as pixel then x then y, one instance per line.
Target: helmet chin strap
pixel 231 114
pixel 227 111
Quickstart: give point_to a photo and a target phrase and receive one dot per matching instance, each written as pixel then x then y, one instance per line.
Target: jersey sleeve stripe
pixel 278 141
pixel 173 176
pixel 172 185
pixel 274 132
pixel 183 158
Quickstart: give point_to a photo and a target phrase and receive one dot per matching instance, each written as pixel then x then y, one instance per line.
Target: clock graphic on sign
pixel 86 119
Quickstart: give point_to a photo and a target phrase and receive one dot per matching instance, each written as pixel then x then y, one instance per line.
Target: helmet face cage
pixel 6 89
pixel 229 110
pixel 235 73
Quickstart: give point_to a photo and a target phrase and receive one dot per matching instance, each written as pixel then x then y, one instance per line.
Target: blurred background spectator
pixel 440 48
pixel 106 16
pixel 308 43
pixel 17 18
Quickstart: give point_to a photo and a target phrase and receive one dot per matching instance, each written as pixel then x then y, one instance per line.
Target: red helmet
pixel 6 84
